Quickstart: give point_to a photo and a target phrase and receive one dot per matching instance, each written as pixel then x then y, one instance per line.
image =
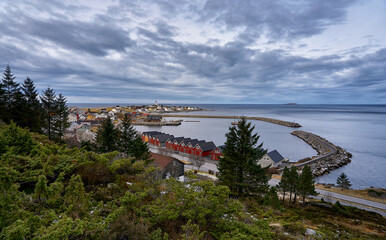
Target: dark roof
pixel 275 156
pixel 221 148
pixel 161 160
pixel 164 137
pixel 150 132
pixel 206 146
pixel 153 134
pixel 186 141
pixel 176 139
pixel 193 142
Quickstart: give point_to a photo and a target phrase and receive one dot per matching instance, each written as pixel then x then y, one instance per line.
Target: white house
pixel 273 158
pixel 72 117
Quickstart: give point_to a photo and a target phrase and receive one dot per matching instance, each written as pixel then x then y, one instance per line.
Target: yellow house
pixel 90 117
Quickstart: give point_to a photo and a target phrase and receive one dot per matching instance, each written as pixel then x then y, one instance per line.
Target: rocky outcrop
pixel 329 157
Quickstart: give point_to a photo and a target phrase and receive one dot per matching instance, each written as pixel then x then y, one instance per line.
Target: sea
pixel 360 129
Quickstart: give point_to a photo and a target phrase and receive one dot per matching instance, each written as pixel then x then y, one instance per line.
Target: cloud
pixel 197 51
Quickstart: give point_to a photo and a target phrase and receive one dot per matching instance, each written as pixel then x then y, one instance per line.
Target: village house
pixel 273 159
pixel 174 143
pixel 171 167
pixel 146 135
pixel 216 153
pixel 72 117
pixel 154 118
pixel 160 140
pixel 190 148
pixel 204 148
pixel 182 144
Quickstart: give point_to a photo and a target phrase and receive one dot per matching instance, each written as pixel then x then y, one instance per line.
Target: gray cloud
pixel 278 19
pixel 136 50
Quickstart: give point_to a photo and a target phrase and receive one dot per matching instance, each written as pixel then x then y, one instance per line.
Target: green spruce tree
pixel 127 136
pixel 343 182
pixel 48 112
pixel 31 108
pixel 306 185
pixel 11 96
pixel 131 143
pixel 293 178
pixel 41 191
pixel 284 182
pixel 107 136
pixel 61 116
pixel 271 198
pixel 238 169
pixel 75 197
pixel 2 101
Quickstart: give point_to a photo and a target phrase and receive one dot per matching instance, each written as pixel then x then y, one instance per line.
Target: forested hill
pixel 49 191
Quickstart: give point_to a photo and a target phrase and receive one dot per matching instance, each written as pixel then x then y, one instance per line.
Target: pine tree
pixel 75 197
pixel 107 137
pixel 41 190
pixel 271 198
pixel 239 169
pixel 127 136
pixel 141 150
pixel 11 96
pixel 2 102
pixel 32 107
pixel 61 116
pixel 49 110
pixel 131 143
pixel 293 178
pixel 284 182
pixel 343 182
pixel 306 184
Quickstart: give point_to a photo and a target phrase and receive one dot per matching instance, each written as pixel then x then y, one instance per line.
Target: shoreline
pixel 329 157
pixel 264 119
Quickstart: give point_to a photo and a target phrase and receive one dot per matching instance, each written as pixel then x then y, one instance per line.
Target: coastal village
pixel 84 123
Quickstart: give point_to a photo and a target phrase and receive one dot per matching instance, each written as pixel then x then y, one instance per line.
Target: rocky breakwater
pixel 329 157
pixel 270 120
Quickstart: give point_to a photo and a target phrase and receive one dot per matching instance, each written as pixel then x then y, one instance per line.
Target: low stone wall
pixel 329 157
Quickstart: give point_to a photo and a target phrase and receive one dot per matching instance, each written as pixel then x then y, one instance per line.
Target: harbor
pixel 264 119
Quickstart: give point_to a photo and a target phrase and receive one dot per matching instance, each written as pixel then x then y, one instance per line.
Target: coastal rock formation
pixel 329 157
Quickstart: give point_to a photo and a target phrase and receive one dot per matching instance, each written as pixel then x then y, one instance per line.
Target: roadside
pixel 332 196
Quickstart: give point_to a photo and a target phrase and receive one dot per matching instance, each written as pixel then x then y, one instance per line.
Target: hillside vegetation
pixel 49 191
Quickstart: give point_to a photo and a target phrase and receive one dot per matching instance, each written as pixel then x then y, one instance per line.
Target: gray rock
pixel 311 232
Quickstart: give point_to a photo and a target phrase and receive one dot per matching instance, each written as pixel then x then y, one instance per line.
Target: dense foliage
pixel 49 191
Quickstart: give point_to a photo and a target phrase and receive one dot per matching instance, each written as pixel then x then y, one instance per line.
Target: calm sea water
pixel 360 129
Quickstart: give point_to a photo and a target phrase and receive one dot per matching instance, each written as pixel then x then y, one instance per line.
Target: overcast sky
pixel 199 51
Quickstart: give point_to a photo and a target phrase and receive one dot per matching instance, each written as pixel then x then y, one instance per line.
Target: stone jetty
pixel 270 120
pixel 329 157
pixel 162 123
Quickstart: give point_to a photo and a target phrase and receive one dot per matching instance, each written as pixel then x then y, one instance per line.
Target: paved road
pixel 364 204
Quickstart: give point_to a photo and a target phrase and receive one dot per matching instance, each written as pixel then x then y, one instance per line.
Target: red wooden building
pixel 216 153
pixel 204 148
